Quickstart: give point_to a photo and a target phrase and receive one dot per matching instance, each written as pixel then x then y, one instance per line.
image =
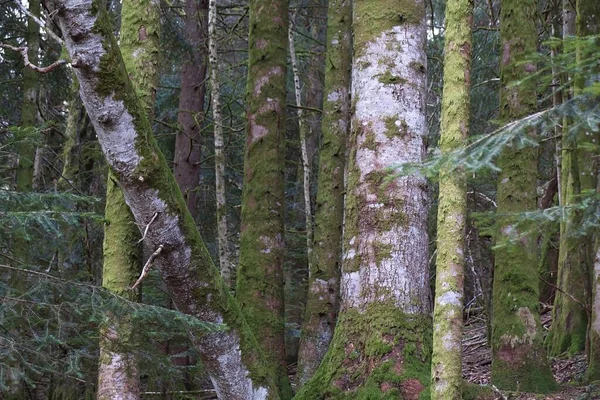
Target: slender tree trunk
pixel 188 142
pixel 303 129
pixel 381 346
pixel 29 106
pixel 224 254
pixel 117 372
pixel 446 369
pixel 72 145
pixel 323 281
pixel 570 322
pixel 118 376
pixel 519 360
pixel 237 368
pixel 260 272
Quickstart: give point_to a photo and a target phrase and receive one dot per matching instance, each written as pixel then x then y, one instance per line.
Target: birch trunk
pixel 381 345
pixel 237 369
pixel 446 368
pixel 518 357
pixel 224 254
pixel 302 128
pixel 323 282
pixel 188 142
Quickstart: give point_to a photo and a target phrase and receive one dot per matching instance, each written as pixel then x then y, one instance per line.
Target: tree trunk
pixel 323 281
pixel 588 23
pixel 570 322
pixel 519 360
pixel 260 271
pixel 117 372
pixel 237 368
pixel 118 377
pixel 224 254
pixel 382 343
pixel 188 151
pixel 29 106
pixel 446 368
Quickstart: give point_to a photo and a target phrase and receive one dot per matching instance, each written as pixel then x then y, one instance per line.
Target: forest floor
pixel 477 362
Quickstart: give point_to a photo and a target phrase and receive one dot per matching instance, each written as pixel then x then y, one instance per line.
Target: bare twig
pixel 148 227
pixel 146 268
pixel 585 307
pixel 28 64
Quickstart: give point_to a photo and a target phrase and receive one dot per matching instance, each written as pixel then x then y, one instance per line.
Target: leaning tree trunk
pixel 260 270
pixel 237 368
pixel 323 280
pixel 117 373
pixel 446 365
pixel 381 346
pixel 519 360
pixel 188 151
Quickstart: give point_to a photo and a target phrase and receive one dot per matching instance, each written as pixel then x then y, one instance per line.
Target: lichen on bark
pixel 236 365
pixel 381 343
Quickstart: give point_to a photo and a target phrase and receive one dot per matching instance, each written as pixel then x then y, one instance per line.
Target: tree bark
pixel 519 360
pixel 588 23
pixel 576 254
pixel 237 369
pixel 446 368
pixel 381 346
pixel 224 253
pixel 188 142
pixel 117 373
pixel 323 282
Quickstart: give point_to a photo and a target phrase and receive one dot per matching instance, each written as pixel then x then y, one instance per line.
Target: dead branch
pixel 28 64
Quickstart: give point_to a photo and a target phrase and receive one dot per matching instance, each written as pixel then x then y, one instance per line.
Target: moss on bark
pixel 452 210
pixel 321 306
pixel 260 279
pixel 519 360
pixel 378 353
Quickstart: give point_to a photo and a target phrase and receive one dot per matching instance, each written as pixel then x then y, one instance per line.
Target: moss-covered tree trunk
pixel 117 372
pixel 188 142
pixel 579 173
pixel 518 357
pixel 237 367
pixel 446 365
pixel 260 271
pixel 323 282
pixel 381 345
pixel 588 23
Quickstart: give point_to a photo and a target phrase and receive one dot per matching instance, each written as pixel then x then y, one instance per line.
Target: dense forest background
pixel 269 199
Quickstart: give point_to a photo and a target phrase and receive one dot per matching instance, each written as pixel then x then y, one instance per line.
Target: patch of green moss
pixel 373 17
pixel 387 78
pixel 370 142
pixel 373 355
pixel 417 66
